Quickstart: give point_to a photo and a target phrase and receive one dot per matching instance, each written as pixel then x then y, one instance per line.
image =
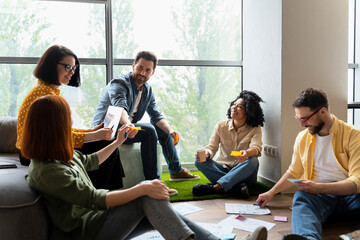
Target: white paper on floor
pixel 186 208
pixel 150 235
pixel 246 209
pixel 247 224
pixel 217 229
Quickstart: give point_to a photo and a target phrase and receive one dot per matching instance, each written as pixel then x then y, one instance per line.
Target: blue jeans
pixel 148 139
pixel 309 211
pixel 245 172
pixel 143 214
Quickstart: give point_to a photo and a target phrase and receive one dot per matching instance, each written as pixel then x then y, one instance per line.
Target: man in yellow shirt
pixel 325 167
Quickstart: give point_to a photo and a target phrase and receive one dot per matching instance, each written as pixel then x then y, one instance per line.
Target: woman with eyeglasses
pixel 76 208
pixel 60 66
pixel 238 140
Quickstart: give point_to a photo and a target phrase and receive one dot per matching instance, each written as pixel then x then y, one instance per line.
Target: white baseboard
pixel 189 166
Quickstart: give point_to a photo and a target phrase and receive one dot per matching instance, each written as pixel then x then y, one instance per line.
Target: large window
pixel 198 43
pixel 354 60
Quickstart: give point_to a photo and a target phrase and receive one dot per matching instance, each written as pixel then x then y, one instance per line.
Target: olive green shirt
pixel 76 208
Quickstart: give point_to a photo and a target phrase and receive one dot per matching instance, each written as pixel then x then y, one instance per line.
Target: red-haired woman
pixel 57 66
pixel 77 209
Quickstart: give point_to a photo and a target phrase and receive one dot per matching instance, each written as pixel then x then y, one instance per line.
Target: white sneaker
pixel 172 192
pixel 351 236
pixel 260 233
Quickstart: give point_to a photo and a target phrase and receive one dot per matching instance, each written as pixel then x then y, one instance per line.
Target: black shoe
pixel 244 191
pixel 240 190
pixel 201 190
pixel 294 237
pixel 24 161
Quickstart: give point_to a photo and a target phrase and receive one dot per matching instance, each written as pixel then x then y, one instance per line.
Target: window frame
pixel 110 61
pixel 353 65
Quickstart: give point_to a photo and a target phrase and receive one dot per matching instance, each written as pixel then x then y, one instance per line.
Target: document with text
pixel 112 118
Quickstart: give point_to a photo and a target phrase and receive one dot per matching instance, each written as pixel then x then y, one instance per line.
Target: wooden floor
pixel 214 212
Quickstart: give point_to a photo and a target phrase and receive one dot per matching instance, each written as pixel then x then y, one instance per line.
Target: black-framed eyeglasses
pixel 68 67
pixel 304 120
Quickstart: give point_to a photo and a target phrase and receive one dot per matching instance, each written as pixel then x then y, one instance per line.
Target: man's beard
pixel 140 80
pixel 316 128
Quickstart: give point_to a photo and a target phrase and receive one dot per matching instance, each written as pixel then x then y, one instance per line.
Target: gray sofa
pixel 22 211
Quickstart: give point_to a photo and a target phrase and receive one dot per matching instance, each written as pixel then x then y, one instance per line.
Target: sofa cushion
pixel 8 135
pixel 22 211
pixel 14 189
pixel 130 155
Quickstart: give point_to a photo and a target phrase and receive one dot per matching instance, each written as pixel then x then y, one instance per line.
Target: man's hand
pixel 131 132
pixel 175 136
pixel 172 133
pixel 308 186
pixel 264 198
pixel 164 125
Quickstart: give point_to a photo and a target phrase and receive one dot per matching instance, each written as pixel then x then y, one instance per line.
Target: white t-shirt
pixel 136 107
pixel 325 166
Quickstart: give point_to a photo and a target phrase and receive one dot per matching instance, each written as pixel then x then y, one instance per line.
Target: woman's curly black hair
pixel 253 110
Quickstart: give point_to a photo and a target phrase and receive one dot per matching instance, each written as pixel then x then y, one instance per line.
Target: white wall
pixel 290 45
pixel 262 71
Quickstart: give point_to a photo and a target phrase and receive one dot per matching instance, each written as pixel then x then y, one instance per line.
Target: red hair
pixel 47 130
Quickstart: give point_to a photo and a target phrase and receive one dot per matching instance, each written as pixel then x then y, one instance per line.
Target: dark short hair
pixel 312 98
pixel 147 55
pixel 46 68
pixel 47 130
pixel 253 110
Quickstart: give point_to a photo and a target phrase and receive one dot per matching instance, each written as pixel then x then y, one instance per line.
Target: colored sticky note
pixel 137 128
pixel 240 217
pixel 280 218
pixel 294 180
pixel 236 153
pixel 176 140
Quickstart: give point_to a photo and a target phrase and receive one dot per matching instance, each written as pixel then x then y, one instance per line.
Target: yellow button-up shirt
pixel 229 139
pixel 43 89
pixel 346 146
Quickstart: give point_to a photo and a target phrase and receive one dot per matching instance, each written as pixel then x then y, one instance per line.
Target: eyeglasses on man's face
pixel 68 67
pixel 305 119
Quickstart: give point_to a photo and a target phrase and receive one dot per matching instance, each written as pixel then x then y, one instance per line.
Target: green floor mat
pixel 184 188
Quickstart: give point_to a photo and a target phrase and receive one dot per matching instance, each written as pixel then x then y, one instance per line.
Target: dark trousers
pixel 110 172
pixel 148 139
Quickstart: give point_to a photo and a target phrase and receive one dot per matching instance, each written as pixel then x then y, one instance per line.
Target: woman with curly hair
pixel 241 133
